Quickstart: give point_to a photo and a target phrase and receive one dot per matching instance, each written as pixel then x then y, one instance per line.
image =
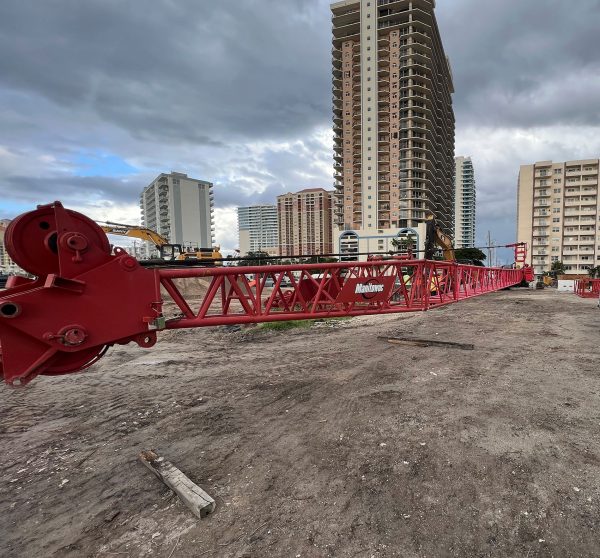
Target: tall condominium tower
pixel 559 214
pixel 305 222
pixel 180 209
pixel 393 120
pixel 464 203
pixel 257 228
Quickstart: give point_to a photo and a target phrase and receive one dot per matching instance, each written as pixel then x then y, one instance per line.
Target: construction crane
pixel 87 296
pixel 169 252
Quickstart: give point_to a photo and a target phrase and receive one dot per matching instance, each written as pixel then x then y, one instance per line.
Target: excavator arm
pixel 435 237
pixel 132 231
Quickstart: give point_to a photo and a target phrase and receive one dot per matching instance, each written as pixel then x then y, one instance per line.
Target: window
pixel 556 219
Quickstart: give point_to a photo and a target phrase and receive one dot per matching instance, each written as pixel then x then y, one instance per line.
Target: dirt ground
pixel 322 441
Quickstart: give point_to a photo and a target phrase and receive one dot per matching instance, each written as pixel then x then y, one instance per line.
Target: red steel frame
pixel 587 288
pixel 237 295
pixel 86 297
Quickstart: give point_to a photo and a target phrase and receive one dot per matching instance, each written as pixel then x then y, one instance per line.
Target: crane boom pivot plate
pixel 86 297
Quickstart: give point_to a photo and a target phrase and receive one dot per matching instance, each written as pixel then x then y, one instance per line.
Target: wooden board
pixel 198 501
pixel 428 343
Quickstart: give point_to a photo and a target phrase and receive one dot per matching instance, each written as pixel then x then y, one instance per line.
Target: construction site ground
pixel 322 441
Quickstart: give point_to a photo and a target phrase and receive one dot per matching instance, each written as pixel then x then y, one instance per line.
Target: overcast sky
pixel 99 96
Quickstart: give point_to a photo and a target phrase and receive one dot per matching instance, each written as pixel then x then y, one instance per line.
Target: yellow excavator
pixel 435 237
pixel 168 252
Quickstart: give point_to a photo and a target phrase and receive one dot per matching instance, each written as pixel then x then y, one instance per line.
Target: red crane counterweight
pixel 86 298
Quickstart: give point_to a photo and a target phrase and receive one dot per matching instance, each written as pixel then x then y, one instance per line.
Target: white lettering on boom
pixel 362 288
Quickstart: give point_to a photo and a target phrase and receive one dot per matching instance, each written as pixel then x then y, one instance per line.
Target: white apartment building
pixel 7 266
pixel 464 203
pixel 559 214
pixel 257 229
pixel 181 209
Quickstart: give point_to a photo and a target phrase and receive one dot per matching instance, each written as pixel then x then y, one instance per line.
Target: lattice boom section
pixel 587 288
pixel 237 295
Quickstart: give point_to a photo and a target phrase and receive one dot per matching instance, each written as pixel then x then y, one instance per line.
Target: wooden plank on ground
pixel 198 501
pixel 428 343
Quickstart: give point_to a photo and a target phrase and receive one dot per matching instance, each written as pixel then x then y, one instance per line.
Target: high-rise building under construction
pixel 393 121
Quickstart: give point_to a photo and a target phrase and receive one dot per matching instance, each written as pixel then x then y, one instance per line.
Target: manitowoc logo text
pixel 368 288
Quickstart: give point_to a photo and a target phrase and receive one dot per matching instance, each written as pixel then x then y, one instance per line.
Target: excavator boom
pixel 133 231
pixel 436 237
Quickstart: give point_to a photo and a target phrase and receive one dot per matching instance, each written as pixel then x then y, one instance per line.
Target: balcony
pixel 344 32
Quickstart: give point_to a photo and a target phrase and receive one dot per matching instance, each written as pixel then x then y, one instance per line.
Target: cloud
pixel 99 97
pixel 187 72
pixel 519 64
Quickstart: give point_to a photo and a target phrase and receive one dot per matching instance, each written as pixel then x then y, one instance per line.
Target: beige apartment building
pixel 305 222
pixel 393 122
pixel 559 214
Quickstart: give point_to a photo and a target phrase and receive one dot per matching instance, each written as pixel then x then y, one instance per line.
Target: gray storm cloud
pixel 239 92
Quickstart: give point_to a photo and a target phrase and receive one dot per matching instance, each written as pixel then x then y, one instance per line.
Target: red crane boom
pixel 87 297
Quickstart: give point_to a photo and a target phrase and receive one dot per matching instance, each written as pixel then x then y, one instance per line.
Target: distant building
pixel 305 222
pixel 559 214
pixel 180 208
pixel 137 250
pixel 393 121
pixel 257 229
pixel 464 203
pixel 6 264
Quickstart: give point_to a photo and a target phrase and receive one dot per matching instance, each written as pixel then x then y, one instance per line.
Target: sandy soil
pixel 322 442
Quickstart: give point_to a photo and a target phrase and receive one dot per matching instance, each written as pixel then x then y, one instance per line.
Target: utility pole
pixel 489 248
